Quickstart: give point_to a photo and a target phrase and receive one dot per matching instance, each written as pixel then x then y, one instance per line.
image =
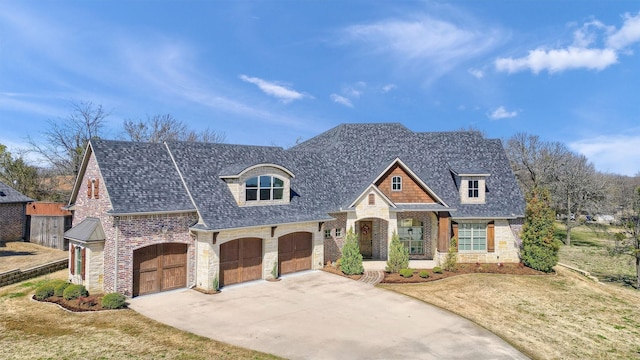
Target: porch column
pixel 444 232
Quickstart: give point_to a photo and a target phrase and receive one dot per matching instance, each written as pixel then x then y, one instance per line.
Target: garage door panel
pixel 240 261
pixel 294 252
pixel 159 267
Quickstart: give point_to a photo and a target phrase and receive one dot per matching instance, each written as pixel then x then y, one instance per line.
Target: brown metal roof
pixel 47 209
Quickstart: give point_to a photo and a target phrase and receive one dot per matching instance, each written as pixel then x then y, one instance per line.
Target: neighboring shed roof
pixel 90 229
pixel 10 195
pixel 47 209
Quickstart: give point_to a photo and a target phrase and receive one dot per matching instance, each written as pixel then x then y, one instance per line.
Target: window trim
pixel 327 233
pixel 338 232
pixel 419 238
pixel 396 185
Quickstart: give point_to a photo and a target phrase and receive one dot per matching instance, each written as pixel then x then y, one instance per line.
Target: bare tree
pixel 160 128
pixel 524 152
pixel 632 227
pixel 65 139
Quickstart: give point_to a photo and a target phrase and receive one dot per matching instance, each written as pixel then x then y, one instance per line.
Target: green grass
pixel 594 249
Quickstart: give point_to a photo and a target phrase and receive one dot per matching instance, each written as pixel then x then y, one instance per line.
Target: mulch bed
pixel 89 303
pixel 508 268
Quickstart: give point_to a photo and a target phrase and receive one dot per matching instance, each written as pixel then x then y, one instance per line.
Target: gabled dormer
pixel 402 186
pixel 472 185
pixel 259 184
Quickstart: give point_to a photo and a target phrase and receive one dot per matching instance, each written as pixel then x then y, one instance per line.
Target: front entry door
pixel 366 239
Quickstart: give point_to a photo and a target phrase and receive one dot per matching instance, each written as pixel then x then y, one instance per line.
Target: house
pixel 12 214
pixel 46 224
pixel 153 217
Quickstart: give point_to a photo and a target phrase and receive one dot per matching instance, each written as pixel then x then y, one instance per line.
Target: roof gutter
pixel 152 212
pixel 258 226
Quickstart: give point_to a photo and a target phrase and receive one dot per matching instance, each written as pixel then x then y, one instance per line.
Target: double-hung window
pixel 264 188
pixel 474 189
pixel 472 237
pixel 396 183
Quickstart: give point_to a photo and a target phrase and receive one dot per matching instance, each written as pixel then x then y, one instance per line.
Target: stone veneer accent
pixel 208 254
pixel 94 266
pixel 507 247
pixel 12 221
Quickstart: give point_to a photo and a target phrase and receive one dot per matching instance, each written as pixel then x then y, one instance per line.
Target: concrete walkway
pixel 317 315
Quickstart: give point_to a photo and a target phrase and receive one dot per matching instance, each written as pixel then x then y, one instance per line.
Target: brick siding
pixel 12 221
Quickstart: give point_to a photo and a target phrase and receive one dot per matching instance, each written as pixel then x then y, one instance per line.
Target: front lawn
pixel 35 330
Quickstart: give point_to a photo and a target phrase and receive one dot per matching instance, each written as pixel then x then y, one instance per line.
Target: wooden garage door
pixel 294 252
pixel 159 267
pixel 240 261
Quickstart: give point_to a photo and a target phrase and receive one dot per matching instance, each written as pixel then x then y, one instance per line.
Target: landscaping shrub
pixel 424 274
pixel 398 255
pixel 437 270
pixel 45 291
pixel 351 260
pixel 407 273
pixel 59 289
pixel 113 301
pixel 451 261
pixel 539 247
pixel 74 291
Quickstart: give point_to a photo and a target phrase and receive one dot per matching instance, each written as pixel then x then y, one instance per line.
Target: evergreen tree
pixel 539 247
pixel 398 255
pixel 351 260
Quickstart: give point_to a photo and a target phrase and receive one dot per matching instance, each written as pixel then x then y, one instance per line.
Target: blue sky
pixel 272 72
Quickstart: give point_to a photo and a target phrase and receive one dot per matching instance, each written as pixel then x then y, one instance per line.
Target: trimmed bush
pixel 59 289
pixel 351 260
pixel 424 274
pixel 74 291
pixel 406 273
pixel 113 301
pixel 398 255
pixel 45 291
pixel 437 270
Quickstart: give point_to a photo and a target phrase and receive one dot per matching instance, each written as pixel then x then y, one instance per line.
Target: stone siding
pixel 12 221
pixel 507 249
pixel 333 245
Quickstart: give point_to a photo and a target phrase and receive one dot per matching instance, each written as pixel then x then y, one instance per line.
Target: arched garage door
pixel 240 261
pixel 159 267
pixel 294 252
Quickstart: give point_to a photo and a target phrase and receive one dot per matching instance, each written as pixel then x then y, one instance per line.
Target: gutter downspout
pixel 115 279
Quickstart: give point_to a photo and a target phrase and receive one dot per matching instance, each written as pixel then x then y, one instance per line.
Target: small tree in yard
pixel 632 226
pixel 398 255
pixel 351 260
pixel 539 248
pixel 451 261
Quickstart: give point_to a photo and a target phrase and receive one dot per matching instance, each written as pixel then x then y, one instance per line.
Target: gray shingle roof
pixel 90 229
pixel 10 195
pixel 140 177
pixel 331 170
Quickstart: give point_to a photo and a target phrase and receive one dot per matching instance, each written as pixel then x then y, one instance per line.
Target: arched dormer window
pixel 264 188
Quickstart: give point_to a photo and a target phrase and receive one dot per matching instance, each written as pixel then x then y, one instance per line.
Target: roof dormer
pixel 260 184
pixel 472 185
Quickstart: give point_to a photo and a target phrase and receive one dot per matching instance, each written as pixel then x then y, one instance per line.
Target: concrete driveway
pixel 316 315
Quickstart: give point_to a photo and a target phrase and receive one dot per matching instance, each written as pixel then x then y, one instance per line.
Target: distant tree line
pixel 65 139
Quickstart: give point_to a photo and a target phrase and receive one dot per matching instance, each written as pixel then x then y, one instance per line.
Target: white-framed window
pixel 338 232
pixel 474 189
pixel 327 233
pixel 472 237
pixel 410 233
pixel 396 183
pixel 78 260
pixel 264 188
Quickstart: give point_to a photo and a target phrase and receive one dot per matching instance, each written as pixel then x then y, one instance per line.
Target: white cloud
pixel 389 87
pixel 431 46
pixel 559 60
pixel 341 100
pixel 502 113
pixel 586 52
pixel 274 89
pixel 628 34
pixel 478 74
pixel 614 153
